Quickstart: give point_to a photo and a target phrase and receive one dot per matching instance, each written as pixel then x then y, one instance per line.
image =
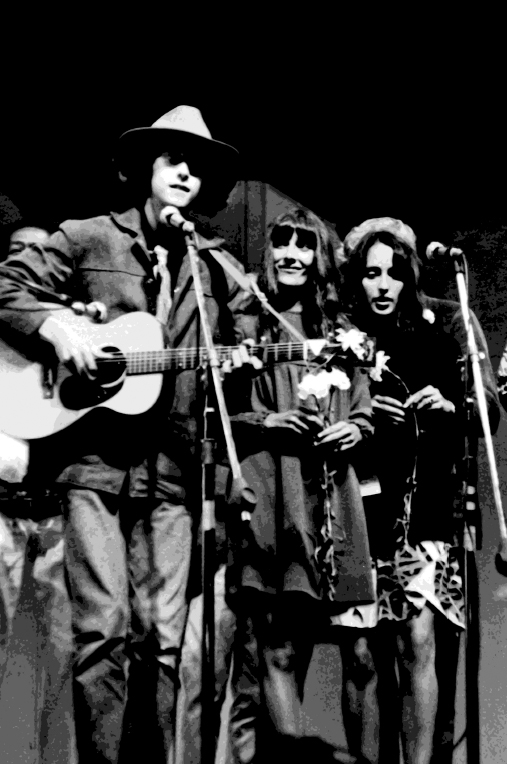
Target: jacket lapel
pixel 185 279
pixel 130 223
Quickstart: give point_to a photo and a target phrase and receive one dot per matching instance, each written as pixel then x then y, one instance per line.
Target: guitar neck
pixel 179 359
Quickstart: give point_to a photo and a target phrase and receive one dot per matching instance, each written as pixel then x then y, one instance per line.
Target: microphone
pixel 436 249
pixel 172 216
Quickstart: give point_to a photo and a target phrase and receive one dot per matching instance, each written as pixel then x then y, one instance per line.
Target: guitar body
pixel 26 413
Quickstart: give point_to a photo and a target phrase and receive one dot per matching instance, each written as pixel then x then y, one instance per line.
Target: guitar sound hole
pixel 78 392
pixel 113 368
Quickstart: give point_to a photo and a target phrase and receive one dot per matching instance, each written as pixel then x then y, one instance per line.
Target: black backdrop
pixel 427 149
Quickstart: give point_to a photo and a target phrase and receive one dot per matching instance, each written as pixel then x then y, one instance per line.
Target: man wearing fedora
pixel 131 484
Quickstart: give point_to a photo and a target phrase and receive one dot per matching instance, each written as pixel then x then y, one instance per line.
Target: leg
pixel 12 554
pixel 418 686
pixel 446 665
pixel 246 686
pixel 269 669
pixel 97 574
pixel 57 733
pixel 286 650
pixel 360 707
pixel 189 701
pixel 370 692
pixel 20 695
pixel 160 552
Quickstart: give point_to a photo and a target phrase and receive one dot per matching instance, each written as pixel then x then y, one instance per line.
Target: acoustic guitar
pixel 39 400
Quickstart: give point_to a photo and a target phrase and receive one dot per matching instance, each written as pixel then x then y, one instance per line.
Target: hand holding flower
pixel 294 419
pixel 430 399
pixel 389 409
pixel 343 435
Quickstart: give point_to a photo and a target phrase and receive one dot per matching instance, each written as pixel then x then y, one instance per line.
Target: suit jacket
pixel 106 258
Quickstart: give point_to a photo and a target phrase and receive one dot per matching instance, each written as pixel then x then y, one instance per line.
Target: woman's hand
pixel 390 409
pixel 293 419
pixel 343 435
pixel 430 399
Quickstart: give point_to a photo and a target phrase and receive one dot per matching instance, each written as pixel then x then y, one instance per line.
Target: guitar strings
pixel 191 352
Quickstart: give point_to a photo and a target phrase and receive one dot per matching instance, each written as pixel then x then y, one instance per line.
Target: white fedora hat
pixel 184 128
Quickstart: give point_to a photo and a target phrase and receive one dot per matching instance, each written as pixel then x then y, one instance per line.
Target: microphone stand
pixel 240 493
pixel 471 587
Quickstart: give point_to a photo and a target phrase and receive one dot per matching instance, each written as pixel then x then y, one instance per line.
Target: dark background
pixel 371 129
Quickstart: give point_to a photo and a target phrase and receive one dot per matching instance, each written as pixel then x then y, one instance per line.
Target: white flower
pixel 339 379
pixel 353 339
pixel 502 369
pixel 381 360
pixel 314 384
pixel 428 316
pixel 320 384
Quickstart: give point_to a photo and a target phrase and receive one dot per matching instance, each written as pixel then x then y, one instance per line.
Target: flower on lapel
pixel 428 316
pixel 381 360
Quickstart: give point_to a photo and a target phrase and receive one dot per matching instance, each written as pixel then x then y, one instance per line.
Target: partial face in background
pixel 23 237
pixel 293 253
pixel 383 279
pixel 172 182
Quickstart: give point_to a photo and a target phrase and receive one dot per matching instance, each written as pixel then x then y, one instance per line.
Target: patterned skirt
pixel 425 574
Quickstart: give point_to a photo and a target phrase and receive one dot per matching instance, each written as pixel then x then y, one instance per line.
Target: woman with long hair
pixel 305 555
pixel 399 677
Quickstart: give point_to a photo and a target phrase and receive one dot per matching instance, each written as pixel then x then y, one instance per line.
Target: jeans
pixel 188 748
pixel 36 718
pixel 127 564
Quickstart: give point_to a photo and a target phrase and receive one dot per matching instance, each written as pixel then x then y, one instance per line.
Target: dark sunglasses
pixel 196 163
pixel 282 234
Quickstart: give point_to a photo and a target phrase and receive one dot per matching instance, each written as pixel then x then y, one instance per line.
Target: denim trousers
pixel 36 714
pixel 189 716
pixel 127 565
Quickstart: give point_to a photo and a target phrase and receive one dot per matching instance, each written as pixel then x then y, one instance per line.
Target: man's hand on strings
pixel 67 333
pixel 342 435
pixel 430 399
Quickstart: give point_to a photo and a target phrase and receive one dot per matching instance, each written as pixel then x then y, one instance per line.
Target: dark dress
pixel 411 522
pixel 308 530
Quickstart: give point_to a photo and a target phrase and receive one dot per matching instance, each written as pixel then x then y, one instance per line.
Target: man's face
pixel 293 252
pixel 172 182
pixel 23 237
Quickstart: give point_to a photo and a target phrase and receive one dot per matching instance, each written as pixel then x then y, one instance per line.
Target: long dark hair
pixel 411 301
pixel 321 301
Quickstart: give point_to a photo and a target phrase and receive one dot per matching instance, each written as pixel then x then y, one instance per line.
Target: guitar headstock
pixel 360 354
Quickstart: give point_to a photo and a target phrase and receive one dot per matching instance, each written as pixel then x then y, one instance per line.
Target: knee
pixel 282 657
pixel 360 666
pixel 419 648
